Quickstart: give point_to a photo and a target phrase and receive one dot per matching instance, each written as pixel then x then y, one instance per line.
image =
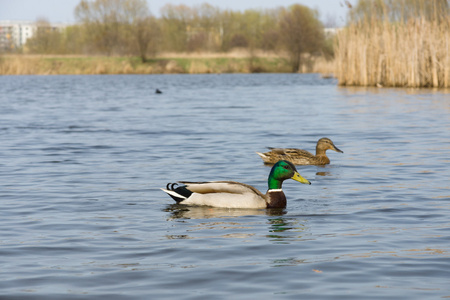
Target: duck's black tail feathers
pixel 179 193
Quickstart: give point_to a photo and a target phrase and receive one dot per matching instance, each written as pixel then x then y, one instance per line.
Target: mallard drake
pixel 231 194
pixel 300 156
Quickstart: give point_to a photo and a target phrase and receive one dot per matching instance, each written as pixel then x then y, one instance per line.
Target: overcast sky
pixel 62 10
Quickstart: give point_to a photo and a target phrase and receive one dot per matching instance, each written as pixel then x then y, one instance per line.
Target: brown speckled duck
pixel 300 156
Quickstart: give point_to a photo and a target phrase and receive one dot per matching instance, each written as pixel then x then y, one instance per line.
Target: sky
pixel 63 10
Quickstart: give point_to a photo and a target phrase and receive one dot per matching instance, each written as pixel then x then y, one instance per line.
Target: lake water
pixel 83 159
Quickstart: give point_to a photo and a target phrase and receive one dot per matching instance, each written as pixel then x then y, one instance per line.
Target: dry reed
pixel 380 53
pixel 55 65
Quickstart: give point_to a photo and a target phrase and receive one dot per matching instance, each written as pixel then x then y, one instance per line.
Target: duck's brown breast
pixel 276 199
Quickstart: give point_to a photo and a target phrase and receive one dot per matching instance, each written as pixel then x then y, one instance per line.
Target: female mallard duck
pixel 231 194
pixel 299 156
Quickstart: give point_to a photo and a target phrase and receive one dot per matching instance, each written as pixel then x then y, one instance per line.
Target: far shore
pixel 164 63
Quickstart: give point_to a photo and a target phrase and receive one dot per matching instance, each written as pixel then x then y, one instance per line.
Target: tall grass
pixel 415 53
pixel 56 65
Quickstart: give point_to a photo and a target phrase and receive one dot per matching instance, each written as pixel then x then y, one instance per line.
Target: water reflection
pixel 355 90
pixel 291 261
pixel 323 174
pixel 205 212
pixel 277 228
pixel 285 230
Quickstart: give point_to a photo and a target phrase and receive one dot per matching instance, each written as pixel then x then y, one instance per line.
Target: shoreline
pixel 166 63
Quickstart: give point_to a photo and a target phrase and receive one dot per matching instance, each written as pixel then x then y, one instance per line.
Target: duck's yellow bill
pixel 299 178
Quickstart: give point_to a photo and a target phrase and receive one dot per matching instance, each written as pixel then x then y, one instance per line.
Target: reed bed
pixel 380 53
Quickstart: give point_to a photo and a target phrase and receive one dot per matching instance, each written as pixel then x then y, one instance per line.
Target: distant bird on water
pixel 158 91
pixel 300 156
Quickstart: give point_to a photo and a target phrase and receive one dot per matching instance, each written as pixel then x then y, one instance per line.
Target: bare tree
pixel 101 21
pixel 205 28
pixel 146 33
pixel 176 24
pixel 114 24
pixel 300 32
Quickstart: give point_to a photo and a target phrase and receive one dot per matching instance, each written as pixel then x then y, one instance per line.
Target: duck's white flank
pixel 227 200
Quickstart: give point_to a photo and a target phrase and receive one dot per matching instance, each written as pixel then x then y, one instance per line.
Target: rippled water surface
pixel 83 159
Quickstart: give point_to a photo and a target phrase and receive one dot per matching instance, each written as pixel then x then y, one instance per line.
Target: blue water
pixel 83 158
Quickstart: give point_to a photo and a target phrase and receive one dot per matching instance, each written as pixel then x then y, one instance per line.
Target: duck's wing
pixel 278 151
pixel 291 152
pixel 230 187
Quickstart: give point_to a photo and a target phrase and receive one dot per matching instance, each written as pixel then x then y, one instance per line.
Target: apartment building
pixel 14 34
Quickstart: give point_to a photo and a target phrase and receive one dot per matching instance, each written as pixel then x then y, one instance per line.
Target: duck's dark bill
pixel 337 149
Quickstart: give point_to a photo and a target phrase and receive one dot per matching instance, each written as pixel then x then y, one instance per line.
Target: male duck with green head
pixel 231 194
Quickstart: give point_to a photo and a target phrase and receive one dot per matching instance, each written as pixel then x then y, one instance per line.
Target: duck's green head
pixel 281 171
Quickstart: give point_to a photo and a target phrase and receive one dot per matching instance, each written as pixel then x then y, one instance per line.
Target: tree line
pixel 127 27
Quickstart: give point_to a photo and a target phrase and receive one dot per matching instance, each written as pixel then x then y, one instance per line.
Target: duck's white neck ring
pixel 275 190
